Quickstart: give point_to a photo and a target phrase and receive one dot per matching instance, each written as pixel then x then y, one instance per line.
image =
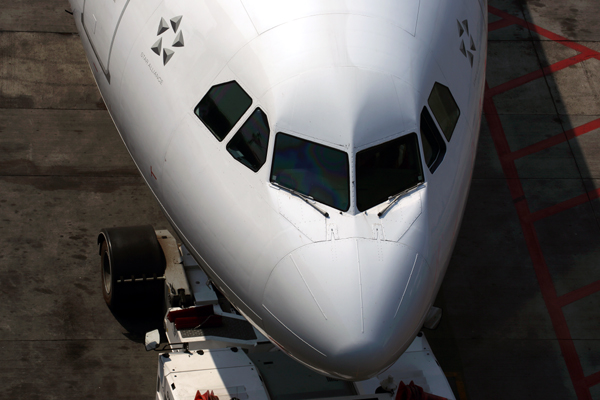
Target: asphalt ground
pixel 521 297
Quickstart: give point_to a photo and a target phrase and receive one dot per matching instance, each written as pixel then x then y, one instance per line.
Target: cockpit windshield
pixel 387 169
pixel 312 169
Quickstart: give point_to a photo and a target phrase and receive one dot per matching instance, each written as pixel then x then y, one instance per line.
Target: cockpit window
pixel 387 169
pixel 222 108
pixel 444 108
pixel 312 169
pixel 434 147
pixel 249 145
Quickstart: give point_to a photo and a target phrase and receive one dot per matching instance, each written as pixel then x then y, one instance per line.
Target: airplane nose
pixel 348 308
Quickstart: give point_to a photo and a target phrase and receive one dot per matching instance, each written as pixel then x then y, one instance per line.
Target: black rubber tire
pixel 109 283
pixel 125 253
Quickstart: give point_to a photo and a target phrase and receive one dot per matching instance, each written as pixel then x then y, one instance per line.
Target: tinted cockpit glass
pixel 249 144
pixel 387 169
pixel 444 108
pixel 222 107
pixel 312 169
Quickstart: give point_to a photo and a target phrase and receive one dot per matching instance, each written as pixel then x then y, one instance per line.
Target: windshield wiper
pixel 394 199
pixel 307 199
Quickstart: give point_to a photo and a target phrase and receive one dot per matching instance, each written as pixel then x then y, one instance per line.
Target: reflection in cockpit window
pixel 222 108
pixel 312 169
pixel 249 145
pixel 387 169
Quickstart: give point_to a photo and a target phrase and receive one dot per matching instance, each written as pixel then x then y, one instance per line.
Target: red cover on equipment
pixel 210 321
pixel 195 317
pixel 206 396
pixel 190 312
pixel 414 392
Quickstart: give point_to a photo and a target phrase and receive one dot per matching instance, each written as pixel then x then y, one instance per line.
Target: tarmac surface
pixel 521 297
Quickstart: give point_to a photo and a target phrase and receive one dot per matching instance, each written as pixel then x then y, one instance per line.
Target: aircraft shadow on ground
pixel 536 167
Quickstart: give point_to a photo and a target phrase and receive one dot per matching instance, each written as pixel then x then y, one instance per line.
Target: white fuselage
pixel 343 294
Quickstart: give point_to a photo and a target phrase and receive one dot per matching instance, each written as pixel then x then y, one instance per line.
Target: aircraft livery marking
pixel 463 27
pixel 163 26
pixel 152 69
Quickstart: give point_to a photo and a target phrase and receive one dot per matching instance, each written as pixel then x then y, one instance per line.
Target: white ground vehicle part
pixel 211 350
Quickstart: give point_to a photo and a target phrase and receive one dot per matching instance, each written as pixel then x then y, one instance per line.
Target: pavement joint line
pixel 579 294
pixel 544 278
pixel 546 72
pixel 585 52
pixel 547 288
pixel 549 295
pixel 559 138
pixel 502 146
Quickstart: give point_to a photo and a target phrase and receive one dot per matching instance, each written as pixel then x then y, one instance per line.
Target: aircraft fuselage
pixel 235 110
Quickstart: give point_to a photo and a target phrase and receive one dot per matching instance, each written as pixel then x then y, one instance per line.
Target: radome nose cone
pixel 348 307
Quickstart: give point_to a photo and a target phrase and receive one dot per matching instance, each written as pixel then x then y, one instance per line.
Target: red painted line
pixel 540 73
pixel 581 384
pixel 593 379
pixel 503 23
pixel 539 146
pixel 557 139
pixel 555 209
pixel 565 205
pixel 585 128
pixel 557 317
pixel 579 294
pixel 542 273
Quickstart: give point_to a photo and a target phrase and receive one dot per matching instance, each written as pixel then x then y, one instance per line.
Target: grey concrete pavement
pixel 521 292
pixel 45 70
pixel 36 16
pixel 64 174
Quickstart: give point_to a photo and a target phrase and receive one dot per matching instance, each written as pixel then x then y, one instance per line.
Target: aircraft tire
pixel 126 253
